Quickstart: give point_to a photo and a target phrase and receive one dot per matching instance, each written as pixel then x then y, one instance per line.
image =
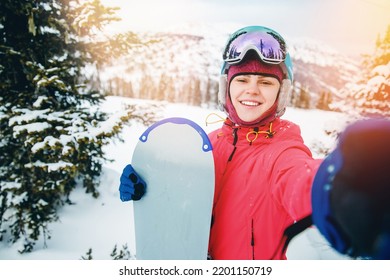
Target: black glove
pixel 351 192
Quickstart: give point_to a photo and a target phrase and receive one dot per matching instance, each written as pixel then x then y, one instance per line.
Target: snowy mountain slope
pixel 320 67
pixel 183 65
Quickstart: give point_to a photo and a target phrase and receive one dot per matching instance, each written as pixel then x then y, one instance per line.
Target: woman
pixel 264 171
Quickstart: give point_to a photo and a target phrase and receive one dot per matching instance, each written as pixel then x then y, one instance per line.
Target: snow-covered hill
pixel 183 65
pixel 321 68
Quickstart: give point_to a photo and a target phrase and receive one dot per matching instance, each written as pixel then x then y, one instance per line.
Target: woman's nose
pixel 253 88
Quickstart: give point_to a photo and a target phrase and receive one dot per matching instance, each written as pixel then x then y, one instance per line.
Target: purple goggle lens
pixel 269 45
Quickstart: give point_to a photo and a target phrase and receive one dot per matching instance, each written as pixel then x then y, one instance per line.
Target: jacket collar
pixel 249 135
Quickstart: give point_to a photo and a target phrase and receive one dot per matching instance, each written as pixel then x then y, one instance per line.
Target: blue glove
pixel 351 192
pixel 131 187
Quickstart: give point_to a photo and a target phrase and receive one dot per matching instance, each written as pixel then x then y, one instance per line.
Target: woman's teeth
pixel 250 103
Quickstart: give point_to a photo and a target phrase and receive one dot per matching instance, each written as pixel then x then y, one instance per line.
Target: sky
pixel 349 26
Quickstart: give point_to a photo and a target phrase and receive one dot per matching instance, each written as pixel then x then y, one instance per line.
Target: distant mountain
pixel 184 66
pixel 320 68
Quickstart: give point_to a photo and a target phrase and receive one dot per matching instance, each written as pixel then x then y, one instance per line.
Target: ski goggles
pixel 268 44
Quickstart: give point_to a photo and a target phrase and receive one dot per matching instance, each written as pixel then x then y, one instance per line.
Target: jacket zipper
pixel 253 240
pixel 235 139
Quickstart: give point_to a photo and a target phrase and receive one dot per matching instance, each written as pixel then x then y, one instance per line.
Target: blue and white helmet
pixel 271 49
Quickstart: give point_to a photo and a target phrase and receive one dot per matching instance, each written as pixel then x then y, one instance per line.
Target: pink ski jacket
pixel 263 184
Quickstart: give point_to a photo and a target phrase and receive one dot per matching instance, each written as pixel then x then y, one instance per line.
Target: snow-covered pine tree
pixel 370 96
pixel 301 97
pixel 324 100
pixel 52 130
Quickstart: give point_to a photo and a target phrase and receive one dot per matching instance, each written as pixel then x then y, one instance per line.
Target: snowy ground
pixel 102 223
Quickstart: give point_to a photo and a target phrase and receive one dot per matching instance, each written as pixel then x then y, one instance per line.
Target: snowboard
pixel 172 220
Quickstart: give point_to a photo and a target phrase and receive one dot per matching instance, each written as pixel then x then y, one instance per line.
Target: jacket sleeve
pixel 293 174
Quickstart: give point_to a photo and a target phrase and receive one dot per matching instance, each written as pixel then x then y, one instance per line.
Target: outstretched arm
pixel 351 191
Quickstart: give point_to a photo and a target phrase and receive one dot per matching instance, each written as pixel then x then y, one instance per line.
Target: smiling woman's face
pixel 253 95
